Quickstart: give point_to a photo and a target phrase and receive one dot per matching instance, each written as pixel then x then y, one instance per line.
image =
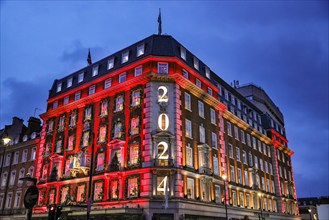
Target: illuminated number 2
pixel 162 185
pixel 164 147
pixel 162 94
pixel 163 122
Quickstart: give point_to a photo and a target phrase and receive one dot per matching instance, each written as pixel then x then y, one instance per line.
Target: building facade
pixel 164 137
pixel 17 160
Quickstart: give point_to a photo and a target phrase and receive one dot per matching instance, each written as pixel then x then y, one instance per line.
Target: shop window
pixel 134 126
pixel 98 191
pixel 132 187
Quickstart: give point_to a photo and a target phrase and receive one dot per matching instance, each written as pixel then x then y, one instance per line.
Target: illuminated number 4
pixel 163 185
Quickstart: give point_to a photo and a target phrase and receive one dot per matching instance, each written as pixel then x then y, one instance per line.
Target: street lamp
pixel 310 211
pixel 6 139
pixel 224 177
pixel 261 208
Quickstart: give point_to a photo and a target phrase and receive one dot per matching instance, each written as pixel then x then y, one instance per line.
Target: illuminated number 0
pixel 164 154
pixel 162 94
pixel 163 122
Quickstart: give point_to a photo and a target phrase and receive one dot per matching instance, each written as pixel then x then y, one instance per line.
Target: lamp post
pixel 310 211
pixel 261 208
pixel 224 178
pixel 6 140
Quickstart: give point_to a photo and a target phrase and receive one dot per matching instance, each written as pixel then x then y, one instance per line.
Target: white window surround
pixel 162 68
pixel 140 49
pixel 80 77
pixel 69 82
pixel 95 70
pixel 59 87
pixel 107 83
pixel 125 57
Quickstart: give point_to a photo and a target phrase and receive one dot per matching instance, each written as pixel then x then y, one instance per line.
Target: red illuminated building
pixel 164 131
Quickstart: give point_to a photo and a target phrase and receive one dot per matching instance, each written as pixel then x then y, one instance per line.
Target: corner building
pixel 158 123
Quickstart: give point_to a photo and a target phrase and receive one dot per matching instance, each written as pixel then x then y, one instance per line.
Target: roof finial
pixel 159 23
pixel 89 58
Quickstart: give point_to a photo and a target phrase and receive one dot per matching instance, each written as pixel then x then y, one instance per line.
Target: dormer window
pixel 95 70
pixel 183 53
pixel 110 63
pixel 69 82
pixel 196 63
pixel 80 77
pixel 207 72
pixel 140 50
pixel 125 57
pixel 59 87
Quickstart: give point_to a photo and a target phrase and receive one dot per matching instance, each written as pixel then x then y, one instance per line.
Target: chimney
pixel 34 125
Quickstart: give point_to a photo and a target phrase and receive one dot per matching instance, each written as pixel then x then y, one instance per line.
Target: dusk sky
pixel 282 46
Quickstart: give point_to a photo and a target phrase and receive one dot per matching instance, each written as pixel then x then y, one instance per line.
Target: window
pixel 246 177
pixel 77 96
pixel 138 71
pixel 69 82
pixel 242 136
pixel 119 103
pixel 185 74
pixel 254 143
pixel 59 87
pixel 259 146
pixel 207 70
pixel 135 98
pixel 266 166
pixel 122 77
pixel 183 53
pixel 209 91
pixel 215 161
pixel 230 151
pixel 241 199
pixel 73 118
pixel 104 108
pixel 55 104
pixel 271 169
pixel 232 172
pixel 244 156
pixel 198 83
pixel 163 68
pixel 189 156
pixel 261 164
pixel 196 63
pixel 70 142
pixel 107 83
pixel 232 99
pixel 98 191
pixel 239 176
pixel 100 161
pixel 21 175
pixel 201 109
pixel 4 179
pixel 229 129
pixel 9 200
pixel 133 154
pixel 187 101
pixel 226 95
pixel 80 77
pixel 140 50
pixel 12 178
pixel 268 151
pixel 110 63
pixel 188 128
pixel 248 140
pixel 33 153
pixel 8 159
pixel 237 154
pixel 214 140
pixel 114 189
pixel 212 116
pixel 132 187
pixel 24 156
pixel 218 195
pixel 250 160
pixel 81 188
pixel 92 89
pixel 118 130
pixel 66 100
pixel 102 134
pixel 134 126
pixel 190 188
pixel 95 70
pixel 17 199
pixel 15 161
pixel 202 134
pixel 256 161
pixel 125 57
pixel 236 133
pixel 65 192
